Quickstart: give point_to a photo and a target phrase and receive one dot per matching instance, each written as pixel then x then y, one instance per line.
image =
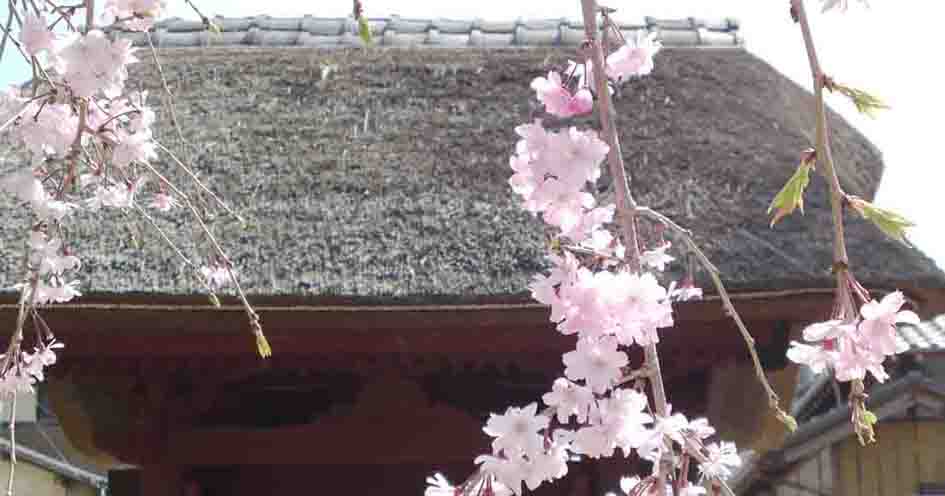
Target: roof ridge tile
pixel 394 30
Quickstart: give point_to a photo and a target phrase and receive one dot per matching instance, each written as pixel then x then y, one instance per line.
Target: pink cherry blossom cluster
pixel 55 129
pixel 854 347
pixel 530 447
pixel 134 15
pixel 606 305
pixel 572 96
pixel 91 146
pixel 839 4
pixel 552 170
pixel 21 374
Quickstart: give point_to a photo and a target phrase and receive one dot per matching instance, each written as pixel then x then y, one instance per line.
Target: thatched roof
pixel 383 172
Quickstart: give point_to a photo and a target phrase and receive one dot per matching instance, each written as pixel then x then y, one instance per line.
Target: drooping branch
pixel 626 211
pixel 845 305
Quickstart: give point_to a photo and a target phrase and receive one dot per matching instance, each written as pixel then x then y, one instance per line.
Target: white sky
pixel 886 49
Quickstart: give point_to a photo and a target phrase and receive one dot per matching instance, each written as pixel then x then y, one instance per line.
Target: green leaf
pixel 364 30
pixel 788 421
pixel 791 196
pixel 889 222
pixel 870 417
pixel 865 102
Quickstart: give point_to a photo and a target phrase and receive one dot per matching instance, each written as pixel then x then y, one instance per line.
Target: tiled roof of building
pixel 45 445
pixel 928 336
pixel 447 33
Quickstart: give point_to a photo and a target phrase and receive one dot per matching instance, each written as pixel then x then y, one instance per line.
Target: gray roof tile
pixel 399 31
pixel 927 336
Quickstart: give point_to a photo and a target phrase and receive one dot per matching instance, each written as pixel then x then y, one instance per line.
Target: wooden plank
pixel 102 333
pixel 890 435
pixel 932 459
pixel 850 480
pixel 908 456
pixel 868 459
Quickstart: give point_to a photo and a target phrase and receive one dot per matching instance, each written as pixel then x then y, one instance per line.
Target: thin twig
pixel 89 15
pixel 204 19
pixel 170 96
pixel 845 306
pixel 199 183
pixel 6 31
pixel 626 205
pixel 26 105
pixel 626 209
pixel 164 235
pixel 255 325
pixel 12 444
pixel 714 274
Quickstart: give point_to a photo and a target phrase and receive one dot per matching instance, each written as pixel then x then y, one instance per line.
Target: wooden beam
pixel 145 320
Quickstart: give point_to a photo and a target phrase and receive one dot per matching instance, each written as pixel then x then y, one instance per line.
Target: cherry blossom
pixel 53 293
pixel 93 64
pixel 608 307
pixel 516 432
pixel 665 428
pixel 627 484
pixel 657 257
pixel 624 415
pixel 597 362
pixel 437 485
pixel 635 58
pixel 134 147
pixel 46 255
pixel 545 288
pixel 35 36
pixel 721 457
pixel 216 276
pixel 512 473
pixel 164 202
pixel 854 361
pixel 569 399
pixel 24 185
pixel 595 441
pixel 34 364
pixel 552 170
pixel 879 322
pixel 685 292
pixel 831 329
pixel 558 100
pixel 700 428
pixel 815 357
pixel 114 195
pixel 48 129
pixel 841 4
pixel 136 15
